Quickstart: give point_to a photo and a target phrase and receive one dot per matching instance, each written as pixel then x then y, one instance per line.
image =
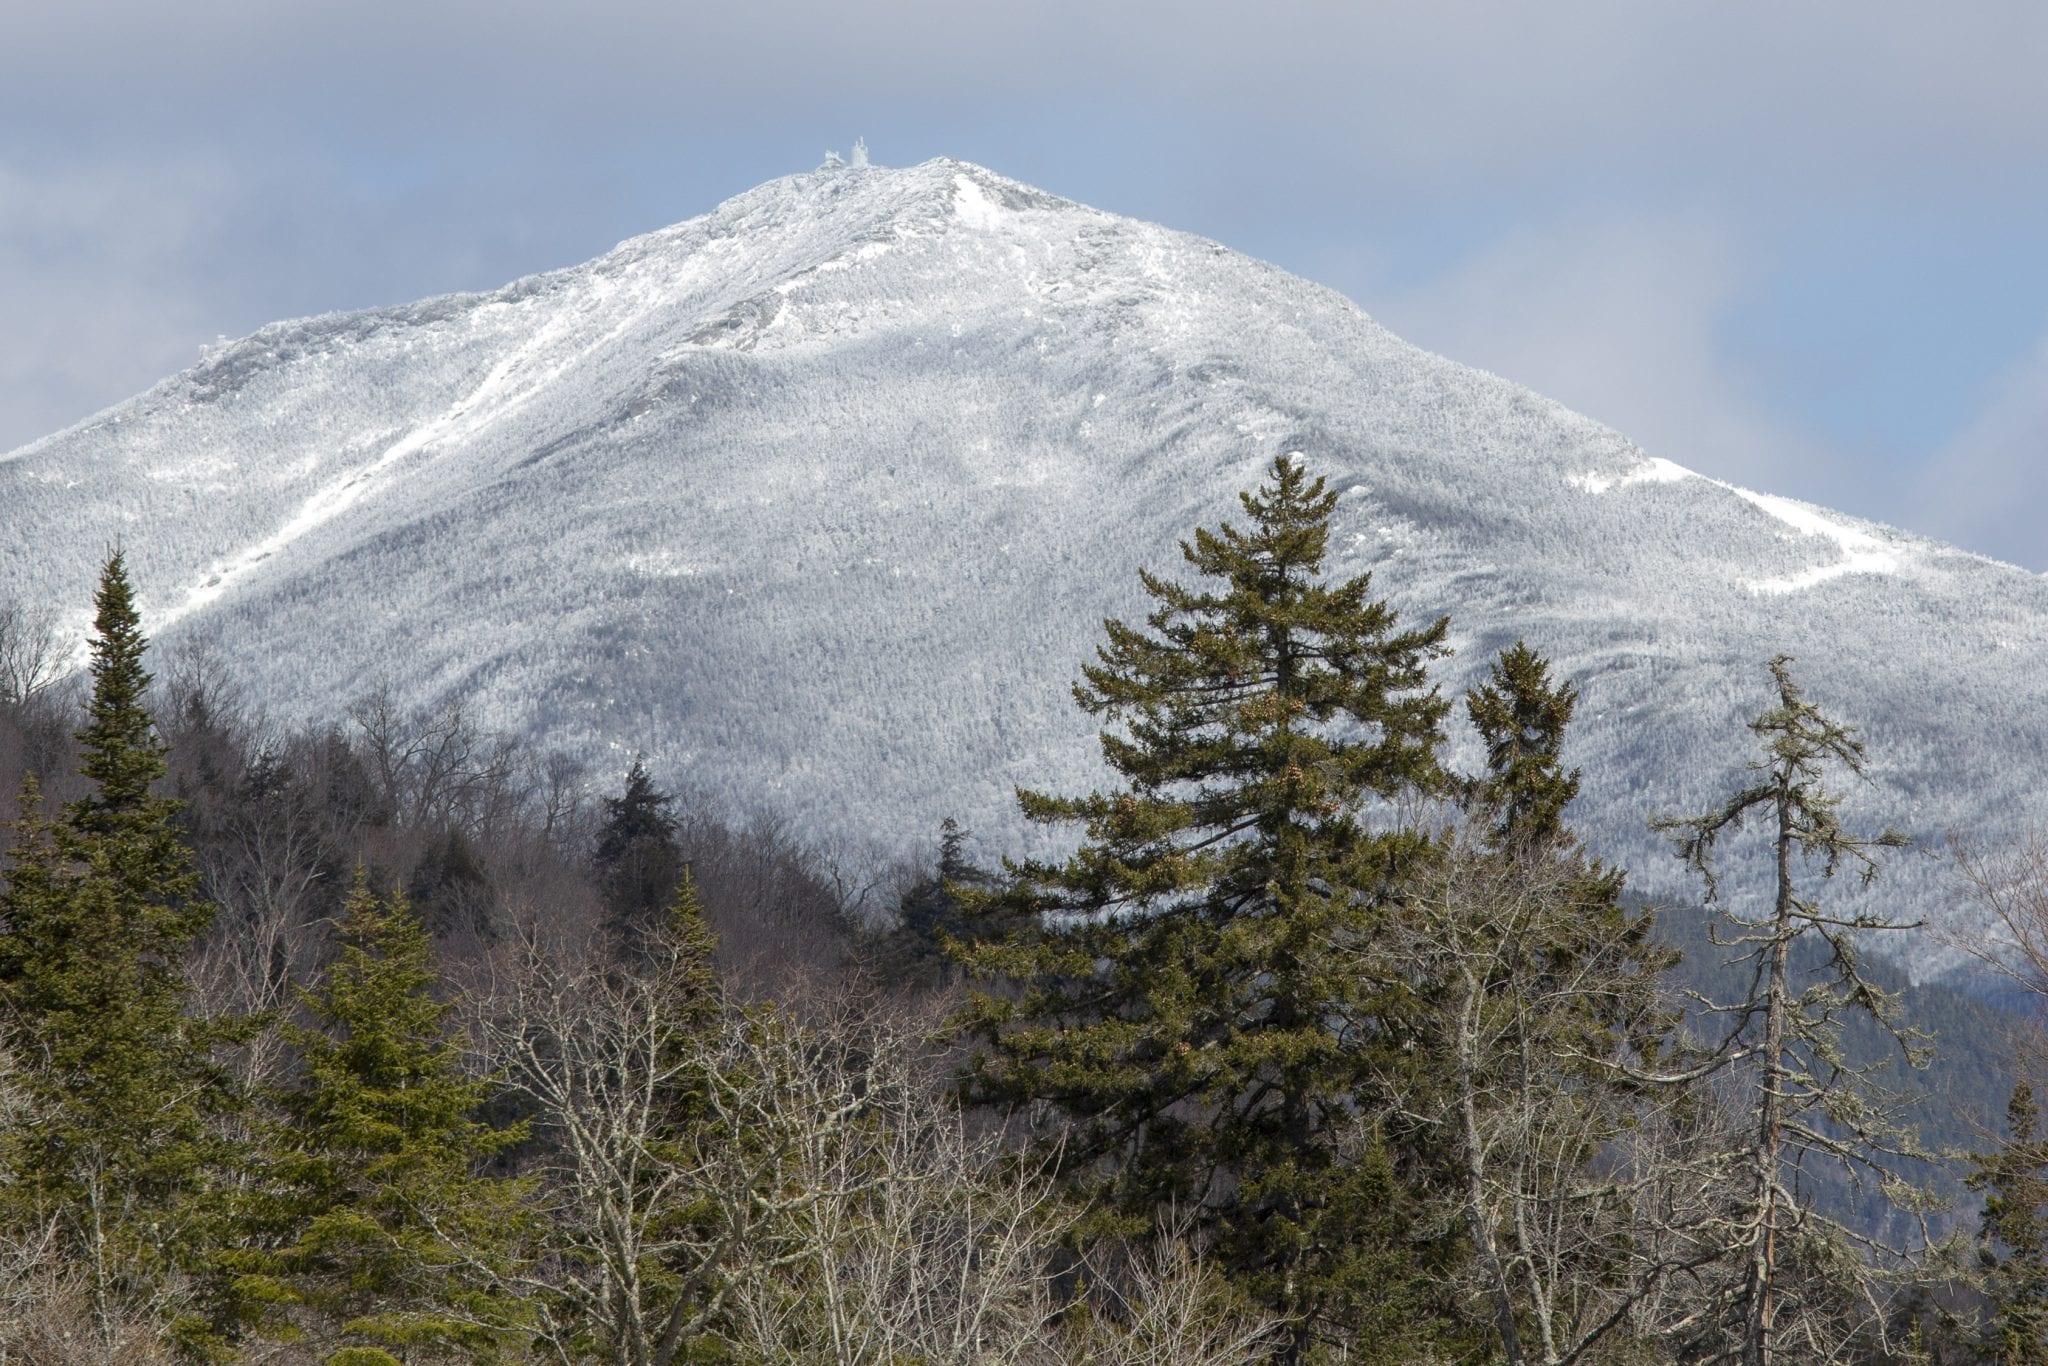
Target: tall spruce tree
pixel 98 914
pixel 931 910
pixel 638 860
pixel 2014 1180
pixel 1521 718
pixel 1185 990
pixel 379 1229
pixel 930 913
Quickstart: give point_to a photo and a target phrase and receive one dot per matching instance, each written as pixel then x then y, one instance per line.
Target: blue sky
pixel 1795 246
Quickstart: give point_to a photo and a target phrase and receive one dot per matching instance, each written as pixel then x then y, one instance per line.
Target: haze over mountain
pixel 819 500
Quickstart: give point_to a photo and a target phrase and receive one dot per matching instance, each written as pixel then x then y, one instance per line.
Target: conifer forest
pixel 383 1038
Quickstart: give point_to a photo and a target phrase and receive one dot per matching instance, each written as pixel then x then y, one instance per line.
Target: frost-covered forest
pixel 1315 1036
pixel 816 500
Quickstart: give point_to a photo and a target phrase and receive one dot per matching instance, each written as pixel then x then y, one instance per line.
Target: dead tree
pixel 1808 1106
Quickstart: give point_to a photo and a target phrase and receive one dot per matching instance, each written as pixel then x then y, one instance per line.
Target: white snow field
pixel 819 500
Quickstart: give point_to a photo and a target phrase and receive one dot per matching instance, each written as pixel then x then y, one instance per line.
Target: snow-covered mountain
pixel 819 500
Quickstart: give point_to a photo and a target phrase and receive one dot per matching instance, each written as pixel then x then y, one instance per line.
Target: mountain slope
pixel 819 499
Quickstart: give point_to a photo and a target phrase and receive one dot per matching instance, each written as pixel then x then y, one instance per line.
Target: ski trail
pixel 1862 553
pixel 509 386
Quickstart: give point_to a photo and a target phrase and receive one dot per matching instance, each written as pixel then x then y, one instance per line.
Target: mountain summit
pixel 819 500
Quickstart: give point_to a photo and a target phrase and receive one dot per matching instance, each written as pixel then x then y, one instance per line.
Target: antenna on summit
pixel 860 153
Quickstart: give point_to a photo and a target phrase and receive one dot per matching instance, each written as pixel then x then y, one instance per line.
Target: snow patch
pixel 207 469
pixel 973 206
pixel 664 564
pixel 1654 470
pixel 860 255
pixel 1862 553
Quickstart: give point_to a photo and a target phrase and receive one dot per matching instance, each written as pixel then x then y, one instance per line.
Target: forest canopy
pixel 386 1039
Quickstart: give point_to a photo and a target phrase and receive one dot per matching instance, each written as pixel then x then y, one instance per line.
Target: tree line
pixel 381 1041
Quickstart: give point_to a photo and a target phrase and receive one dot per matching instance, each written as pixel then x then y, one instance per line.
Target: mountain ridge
pixel 860 432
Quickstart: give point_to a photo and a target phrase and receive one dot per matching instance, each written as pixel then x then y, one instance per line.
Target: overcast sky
pixel 1799 246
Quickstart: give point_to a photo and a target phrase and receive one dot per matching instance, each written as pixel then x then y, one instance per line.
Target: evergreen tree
pixel 1186 989
pixel 695 997
pixel 2015 1184
pixel 639 862
pixel 1808 1107
pixel 680 1284
pixel 931 913
pixel 450 887
pixel 1521 718
pixel 98 914
pixel 380 1230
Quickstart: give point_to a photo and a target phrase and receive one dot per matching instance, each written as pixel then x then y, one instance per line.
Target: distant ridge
pixel 820 498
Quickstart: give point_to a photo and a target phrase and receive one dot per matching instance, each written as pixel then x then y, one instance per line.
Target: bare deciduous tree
pixel 266 866
pixel 2009 887
pixel 911 1239
pixel 61 1303
pixel 437 769
pixel 1542 1092
pixel 796 1190
pixel 30 657
pixel 35 707
pixel 1167 1306
pixel 594 1054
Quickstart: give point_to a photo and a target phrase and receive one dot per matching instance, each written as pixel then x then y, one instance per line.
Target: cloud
pixel 113 272
pixel 1623 320
pixel 97 293
pixel 1438 91
pixel 1629 320
pixel 1988 487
